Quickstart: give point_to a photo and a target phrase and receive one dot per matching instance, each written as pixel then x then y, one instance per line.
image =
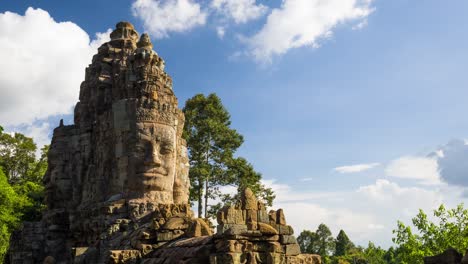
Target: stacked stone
pixel 246 233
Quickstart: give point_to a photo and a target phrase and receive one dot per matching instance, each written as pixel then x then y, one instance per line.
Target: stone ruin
pixel 449 256
pixel 117 183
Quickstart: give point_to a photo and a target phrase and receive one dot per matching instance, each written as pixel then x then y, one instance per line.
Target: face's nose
pixel 153 157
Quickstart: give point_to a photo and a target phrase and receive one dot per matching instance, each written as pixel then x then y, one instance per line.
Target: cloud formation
pixel 240 11
pixel 299 23
pixel 160 17
pixel 423 169
pixel 34 48
pixel 356 168
pixel 368 213
pixel 453 163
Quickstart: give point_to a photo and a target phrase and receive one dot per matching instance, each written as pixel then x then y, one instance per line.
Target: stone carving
pixel 117 184
pixel 449 256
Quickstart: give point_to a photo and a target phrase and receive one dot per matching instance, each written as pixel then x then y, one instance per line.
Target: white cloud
pixel 375 226
pixel 43 63
pixel 423 169
pixel 241 11
pixel 40 134
pixel 160 17
pixel 368 213
pixel 356 168
pixel 220 31
pixel 299 23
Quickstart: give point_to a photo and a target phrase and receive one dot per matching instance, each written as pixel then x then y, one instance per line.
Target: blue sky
pixel 354 110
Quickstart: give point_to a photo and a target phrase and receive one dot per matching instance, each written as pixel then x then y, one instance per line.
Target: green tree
pixel 390 256
pixel 18 158
pixel 374 254
pixel 308 242
pixel 449 230
pixel 319 242
pixel 242 175
pixel 342 244
pixel 326 243
pixel 212 143
pixel 10 212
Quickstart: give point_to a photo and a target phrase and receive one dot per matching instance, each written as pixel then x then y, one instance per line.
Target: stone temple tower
pixel 117 182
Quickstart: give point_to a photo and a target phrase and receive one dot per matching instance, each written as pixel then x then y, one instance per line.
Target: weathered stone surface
pixel 232 229
pixel 292 249
pixel 450 256
pixel 304 259
pixel 465 258
pixel 198 227
pixel 267 229
pixel 117 182
pixel 249 201
pixel 280 219
pixel 287 239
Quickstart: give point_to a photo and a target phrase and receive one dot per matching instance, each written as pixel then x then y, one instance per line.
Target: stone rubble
pixel 117 183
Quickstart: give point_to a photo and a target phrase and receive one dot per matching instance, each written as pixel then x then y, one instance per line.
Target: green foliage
pixel 342 244
pixel 450 230
pixel 308 242
pixel 18 159
pixel 319 242
pixel 21 188
pixel 211 144
pixel 326 243
pixel 374 255
pixel 10 213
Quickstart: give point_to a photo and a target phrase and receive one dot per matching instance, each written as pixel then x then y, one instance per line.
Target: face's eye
pixel 166 149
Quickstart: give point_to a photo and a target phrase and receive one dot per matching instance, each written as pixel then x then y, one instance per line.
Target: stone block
pixel 249 201
pixel 176 223
pixel 275 258
pixel 227 258
pixel 292 250
pixel 272 216
pixel 288 239
pixel 123 256
pixel 285 229
pixel 267 246
pixel 262 216
pixel 167 236
pixel 280 219
pixel 234 246
pixel 232 215
pixel 304 259
pixel 232 229
pixel 449 256
pixel 267 229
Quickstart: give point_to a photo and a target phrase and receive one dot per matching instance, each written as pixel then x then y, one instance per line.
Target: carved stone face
pixel 153 162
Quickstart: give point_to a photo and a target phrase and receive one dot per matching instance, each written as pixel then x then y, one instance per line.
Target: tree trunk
pixel 206 198
pixel 207 177
pixel 200 197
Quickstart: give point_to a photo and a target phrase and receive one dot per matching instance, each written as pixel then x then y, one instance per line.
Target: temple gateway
pixel 117 185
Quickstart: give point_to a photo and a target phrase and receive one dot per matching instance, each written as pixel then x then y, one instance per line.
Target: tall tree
pixel 342 244
pixel 326 243
pixel 308 242
pixel 319 242
pixel 212 143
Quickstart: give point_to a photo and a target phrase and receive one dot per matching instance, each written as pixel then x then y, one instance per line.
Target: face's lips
pixel 153 172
